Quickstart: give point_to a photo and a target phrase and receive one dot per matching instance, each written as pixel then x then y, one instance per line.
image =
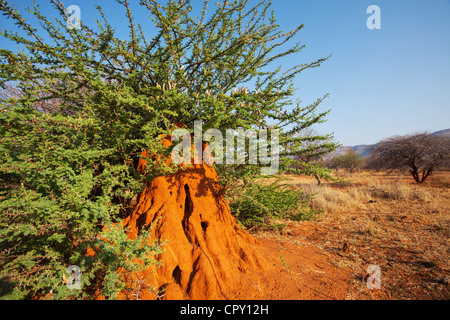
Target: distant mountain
pixel 365 149
pixel 444 133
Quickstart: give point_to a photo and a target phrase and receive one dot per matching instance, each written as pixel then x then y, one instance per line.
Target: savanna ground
pixel 373 218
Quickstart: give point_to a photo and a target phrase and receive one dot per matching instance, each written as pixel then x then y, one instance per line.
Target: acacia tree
pixel 420 154
pixel 305 154
pixel 67 174
pixel 350 160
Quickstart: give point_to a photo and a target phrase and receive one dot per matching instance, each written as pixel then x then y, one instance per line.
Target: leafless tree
pixel 419 153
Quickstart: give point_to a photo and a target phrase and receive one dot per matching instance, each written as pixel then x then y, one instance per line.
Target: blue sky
pixel 385 82
pixel 395 80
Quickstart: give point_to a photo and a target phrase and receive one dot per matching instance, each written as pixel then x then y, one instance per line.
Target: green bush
pixel 58 196
pixel 256 204
pixel 349 161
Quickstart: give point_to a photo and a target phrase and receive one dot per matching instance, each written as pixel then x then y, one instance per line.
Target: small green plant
pixel 282 256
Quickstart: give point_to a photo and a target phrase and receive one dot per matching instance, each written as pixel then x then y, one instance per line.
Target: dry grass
pixel 390 221
pixel 350 196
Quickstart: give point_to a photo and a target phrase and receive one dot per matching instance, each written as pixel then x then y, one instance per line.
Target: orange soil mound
pixel 206 252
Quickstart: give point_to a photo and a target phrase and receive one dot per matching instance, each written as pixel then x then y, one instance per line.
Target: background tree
pixel 67 171
pixel 349 161
pixel 420 154
pixel 304 154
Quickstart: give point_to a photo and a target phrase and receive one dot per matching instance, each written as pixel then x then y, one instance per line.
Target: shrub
pixel 349 161
pixel 255 204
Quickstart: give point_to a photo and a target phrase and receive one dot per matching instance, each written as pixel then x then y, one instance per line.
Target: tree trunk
pixel 414 172
pixel 317 178
pixel 425 174
pixel 420 177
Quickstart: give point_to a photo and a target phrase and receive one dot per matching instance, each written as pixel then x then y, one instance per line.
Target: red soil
pixel 300 272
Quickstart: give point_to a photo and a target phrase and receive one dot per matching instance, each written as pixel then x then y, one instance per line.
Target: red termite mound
pixel 206 251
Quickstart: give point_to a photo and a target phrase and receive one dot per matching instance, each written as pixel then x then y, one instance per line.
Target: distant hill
pixel 444 133
pixel 364 149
